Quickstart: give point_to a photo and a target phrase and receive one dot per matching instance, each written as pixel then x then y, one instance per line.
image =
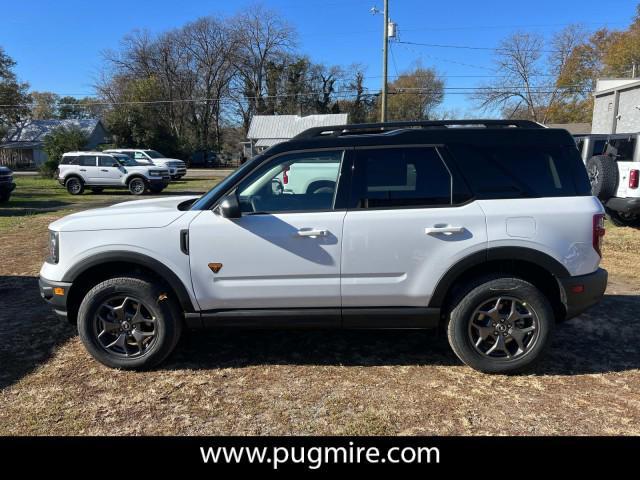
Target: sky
pixel 58 44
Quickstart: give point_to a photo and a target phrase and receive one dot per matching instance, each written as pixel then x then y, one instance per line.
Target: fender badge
pixel 215 267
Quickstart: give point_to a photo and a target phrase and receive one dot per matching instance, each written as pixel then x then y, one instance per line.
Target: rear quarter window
pixel 522 172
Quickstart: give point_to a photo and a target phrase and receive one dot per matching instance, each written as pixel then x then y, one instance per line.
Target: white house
pixel 268 130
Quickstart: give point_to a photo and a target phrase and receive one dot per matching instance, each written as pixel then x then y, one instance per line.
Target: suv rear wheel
pixel 129 322
pixel 137 186
pixel 74 186
pixel 500 325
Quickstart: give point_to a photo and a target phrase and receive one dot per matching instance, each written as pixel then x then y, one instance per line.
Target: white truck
pixel 177 168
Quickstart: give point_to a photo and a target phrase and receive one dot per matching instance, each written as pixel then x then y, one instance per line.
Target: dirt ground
pixel 314 382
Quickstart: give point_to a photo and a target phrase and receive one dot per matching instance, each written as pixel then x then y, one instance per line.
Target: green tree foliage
pixel 13 95
pixel 62 139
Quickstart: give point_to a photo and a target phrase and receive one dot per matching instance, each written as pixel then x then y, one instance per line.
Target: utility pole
pixel 385 46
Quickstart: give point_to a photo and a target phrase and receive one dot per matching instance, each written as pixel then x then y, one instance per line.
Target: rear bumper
pixel 56 298
pixel 624 205
pixel 592 288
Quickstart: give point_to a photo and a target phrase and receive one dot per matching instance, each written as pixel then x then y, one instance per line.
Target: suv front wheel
pixel 500 325
pixel 129 322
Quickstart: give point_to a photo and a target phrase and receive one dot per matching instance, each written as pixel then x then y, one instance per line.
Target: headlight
pixel 54 247
pixel 155 173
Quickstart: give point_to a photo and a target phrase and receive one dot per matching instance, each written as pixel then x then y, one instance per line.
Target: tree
pixel 62 139
pixel 13 95
pixel 415 95
pixel 44 105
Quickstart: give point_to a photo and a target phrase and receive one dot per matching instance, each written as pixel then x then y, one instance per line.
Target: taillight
pixel 598 232
pixel 633 178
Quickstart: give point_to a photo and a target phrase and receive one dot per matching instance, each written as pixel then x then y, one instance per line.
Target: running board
pixel 349 318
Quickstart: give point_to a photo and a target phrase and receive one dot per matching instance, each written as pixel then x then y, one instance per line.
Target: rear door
pixel 410 219
pixel 88 168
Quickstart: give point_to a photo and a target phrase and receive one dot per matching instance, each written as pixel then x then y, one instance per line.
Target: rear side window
pixel 400 177
pixel 521 172
pixel 69 160
pixel 87 161
pixel 622 149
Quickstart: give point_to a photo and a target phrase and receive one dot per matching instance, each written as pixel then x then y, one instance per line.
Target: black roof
pixel 474 132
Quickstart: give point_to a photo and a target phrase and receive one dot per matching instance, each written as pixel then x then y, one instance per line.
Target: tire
pixel 114 343
pixel 74 185
pixel 137 186
pixel 621 220
pixel 467 325
pixel 603 175
pixel 97 189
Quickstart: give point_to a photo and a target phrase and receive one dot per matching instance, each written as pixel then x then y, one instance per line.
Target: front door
pixel 108 173
pixel 284 252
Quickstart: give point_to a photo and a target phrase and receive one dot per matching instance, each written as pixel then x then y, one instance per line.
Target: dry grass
pixel 314 382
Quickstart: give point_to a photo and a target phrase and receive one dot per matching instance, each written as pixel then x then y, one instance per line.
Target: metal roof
pixel 283 127
pixel 36 130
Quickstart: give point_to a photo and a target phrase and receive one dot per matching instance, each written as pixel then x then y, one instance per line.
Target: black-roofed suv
pixel 487 229
pixel 6 183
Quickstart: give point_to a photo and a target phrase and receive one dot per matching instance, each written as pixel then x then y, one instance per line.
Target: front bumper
pixel 584 291
pixel 55 294
pixel 159 181
pixel 629 206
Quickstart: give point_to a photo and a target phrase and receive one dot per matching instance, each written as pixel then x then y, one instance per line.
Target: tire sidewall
pixel 134 181
pixel 67 183
pixel 461 315
pixel 607 182
pixel 167 323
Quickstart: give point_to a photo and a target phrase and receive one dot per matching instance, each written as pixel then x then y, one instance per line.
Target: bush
pixel 48 169
pixel 63 139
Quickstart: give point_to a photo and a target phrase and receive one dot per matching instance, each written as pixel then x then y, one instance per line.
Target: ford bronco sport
pixel 99 170
pixel 613 166
pixel 485 228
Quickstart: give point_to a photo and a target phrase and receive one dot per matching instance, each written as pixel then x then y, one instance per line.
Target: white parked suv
pixel 100 170
pixel 177 168
pixel 486 228
pixel 613 166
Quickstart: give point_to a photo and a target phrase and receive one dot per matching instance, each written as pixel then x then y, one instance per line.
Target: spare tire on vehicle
pixel 603 175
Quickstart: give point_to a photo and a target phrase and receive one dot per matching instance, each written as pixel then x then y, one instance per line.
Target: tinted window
pixel 69 160
pixel 295 182
pixel 398 177
pixel 622 149
pixel 87 161
pixel 104 161
pixel 520 172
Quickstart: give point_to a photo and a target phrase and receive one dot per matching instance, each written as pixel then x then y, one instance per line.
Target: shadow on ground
pixel 606 339
pixel 29 332
pixel 31 207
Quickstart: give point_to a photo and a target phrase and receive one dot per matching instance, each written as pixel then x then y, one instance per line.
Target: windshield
pixel 154 154
pixel 126 161
pixel 212 195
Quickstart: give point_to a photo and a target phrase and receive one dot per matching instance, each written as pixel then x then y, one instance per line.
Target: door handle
pixel 104 170
pixel 312 232
pixel 83 169
pixel 446 229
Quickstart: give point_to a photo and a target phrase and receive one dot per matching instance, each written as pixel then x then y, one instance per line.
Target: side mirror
pixel 230 206
pixel 115 164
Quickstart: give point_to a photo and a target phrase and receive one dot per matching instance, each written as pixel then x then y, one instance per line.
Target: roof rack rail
pixel 372 128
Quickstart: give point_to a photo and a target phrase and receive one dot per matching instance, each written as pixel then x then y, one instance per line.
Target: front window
pixel 291 183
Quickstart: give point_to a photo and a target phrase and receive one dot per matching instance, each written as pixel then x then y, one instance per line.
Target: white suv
pixel 100 170
pixel 488 230
pixel 613 165
pixel 177 168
